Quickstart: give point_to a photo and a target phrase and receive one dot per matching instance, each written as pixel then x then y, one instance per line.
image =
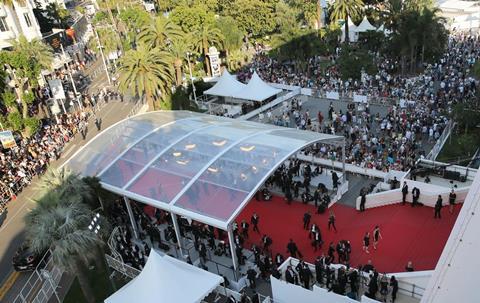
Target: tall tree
pixel 146 73
pixel 23 64
pixel 343 9
pixel 208 35
pixel 60 222
pixel 178 49
pixel 159 33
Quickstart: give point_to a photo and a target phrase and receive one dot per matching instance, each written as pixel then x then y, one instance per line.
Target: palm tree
pixel 159 33
pixel 207 35
pixel 178 49
pixel 65 183
pixel 60 222
pixel 38 55
pixel 343 9
pixel 146 73
pixel 64 229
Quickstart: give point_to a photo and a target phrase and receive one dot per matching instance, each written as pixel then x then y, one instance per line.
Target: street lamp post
pixel 191 78
pixel 95 228
pixel 103 56
pixel 71 78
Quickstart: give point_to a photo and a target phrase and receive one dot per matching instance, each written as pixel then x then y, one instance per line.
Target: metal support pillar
pixel 132 218
pixel 344 176
pixel 177 233
pixel 232 250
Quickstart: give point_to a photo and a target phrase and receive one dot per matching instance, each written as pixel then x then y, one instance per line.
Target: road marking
pixel 70 149
pixel 8 283
pixel 13 217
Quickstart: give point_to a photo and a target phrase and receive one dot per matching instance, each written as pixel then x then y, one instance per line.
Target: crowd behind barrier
pixel 419 107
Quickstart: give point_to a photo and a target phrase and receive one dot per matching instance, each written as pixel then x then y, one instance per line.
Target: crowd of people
pixel 391 141
pixel 31 156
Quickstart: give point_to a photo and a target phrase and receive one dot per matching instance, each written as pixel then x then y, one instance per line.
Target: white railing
pixel 375 173
pixel 121 267
pixel 270 105
pixel 437 148
pixel 42 283
pixel 411 284
pixel 428 195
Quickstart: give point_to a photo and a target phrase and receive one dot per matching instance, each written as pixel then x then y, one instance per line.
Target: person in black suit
pixel 290 275
pixel 292 248
pixel 252 276
pixel 334 180
pixel 363 199
pixel 244 226
pixel 415 196
pixel 404 192
pixel 254 220
pixel 438 207
pixel 317 240
pixel 306 220
pixel 451 200
pixel 319 269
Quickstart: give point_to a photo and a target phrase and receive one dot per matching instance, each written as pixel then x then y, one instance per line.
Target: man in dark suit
pixel 415 196
pixel 252 276
pixel 292 248
pixel 334 180
pixel 320 269
pixel 363 199
pixel 438 207
pixel 404 192
pixel 306 220
pixel 254 220
pixel 290 275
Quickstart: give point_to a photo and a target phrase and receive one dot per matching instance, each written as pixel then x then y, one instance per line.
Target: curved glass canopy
pixel 200 166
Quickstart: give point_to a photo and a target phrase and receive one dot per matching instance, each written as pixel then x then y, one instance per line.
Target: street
pixel 12 226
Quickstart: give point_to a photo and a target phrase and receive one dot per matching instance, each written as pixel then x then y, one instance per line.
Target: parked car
pixel 25 259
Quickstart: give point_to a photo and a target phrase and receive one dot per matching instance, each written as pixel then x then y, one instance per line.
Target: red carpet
pixel 409 234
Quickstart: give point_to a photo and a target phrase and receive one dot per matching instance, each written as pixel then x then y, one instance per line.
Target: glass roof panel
pixel 113 141
pixel 241 169
pixel 191 154
pixel 214 162
pixel 149 147
pixel 211 200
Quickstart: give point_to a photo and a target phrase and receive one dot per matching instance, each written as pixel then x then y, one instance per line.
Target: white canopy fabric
pixel 165 279
pixel 256 90
pixel 364 26
pixel 226 86
pixel 352 31
pixel 467 21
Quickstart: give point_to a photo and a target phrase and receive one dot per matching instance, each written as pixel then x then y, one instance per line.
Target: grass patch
pixel 101 285
pixel 460 146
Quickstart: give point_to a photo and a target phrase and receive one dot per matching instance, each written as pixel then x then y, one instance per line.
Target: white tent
pixel 466 22
pixel 352 31
pixel 256 90
pixel 165 279
pixel 365 25
pixel 226 86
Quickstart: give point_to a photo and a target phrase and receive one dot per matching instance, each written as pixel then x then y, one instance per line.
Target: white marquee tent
pixel 352 31
pixel 226 86
pixel 166 279
pixel 257 90
pixel 364 26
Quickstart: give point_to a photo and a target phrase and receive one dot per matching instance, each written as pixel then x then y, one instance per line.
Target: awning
pixel 365 25
pixel 166 279
pixel 257 90
pixel 226 86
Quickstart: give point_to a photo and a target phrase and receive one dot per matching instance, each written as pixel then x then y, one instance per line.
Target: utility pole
pixel 71 79
pixel 103 56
